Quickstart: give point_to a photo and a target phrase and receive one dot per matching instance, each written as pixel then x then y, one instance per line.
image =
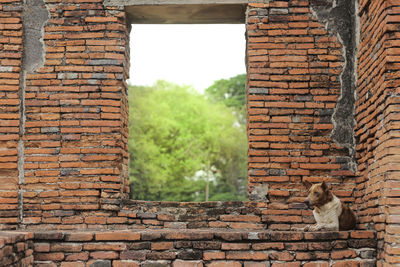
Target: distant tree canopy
pixel 231 92
pixel 180 141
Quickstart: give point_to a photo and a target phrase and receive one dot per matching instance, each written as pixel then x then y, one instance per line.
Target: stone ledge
pixel 189 247
pixel 202 234
pixel 206 247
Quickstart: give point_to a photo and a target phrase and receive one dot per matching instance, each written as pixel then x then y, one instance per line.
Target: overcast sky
pixel 186 54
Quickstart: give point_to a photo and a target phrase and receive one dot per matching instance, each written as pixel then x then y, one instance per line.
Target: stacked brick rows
pixel 76 117
pixel 294 67
pixel 222 215
pixel 378 125
pixel 10 67
pixel 16 249
pixel 214 248
pixel 158 215
pixel 64 158
pixel 226 215
pixel 75 152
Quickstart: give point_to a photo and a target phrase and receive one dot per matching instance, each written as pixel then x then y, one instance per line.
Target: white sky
pixel 186 54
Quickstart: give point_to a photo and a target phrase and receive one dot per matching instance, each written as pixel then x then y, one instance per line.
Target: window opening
pixel 188 138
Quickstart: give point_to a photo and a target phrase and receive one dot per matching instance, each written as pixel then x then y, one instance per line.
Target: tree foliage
pixel 232 93
pixel 177 137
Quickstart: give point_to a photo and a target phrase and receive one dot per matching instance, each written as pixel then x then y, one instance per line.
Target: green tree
pixel 232 93
pixel 176 134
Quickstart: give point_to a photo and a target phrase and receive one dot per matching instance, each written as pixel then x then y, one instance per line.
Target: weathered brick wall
pixel 75 140
pixel 226 215
pixel 64 113
pixel 300 100
pixel 16 249
pixel 10 73
pixel 213 248
pixel 378 125
pixel 73 158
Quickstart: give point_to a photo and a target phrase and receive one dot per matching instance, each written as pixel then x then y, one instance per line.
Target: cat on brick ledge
pixel 329 212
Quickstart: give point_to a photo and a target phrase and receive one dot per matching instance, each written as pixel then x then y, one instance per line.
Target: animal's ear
pixel 324 186
pixel 307 184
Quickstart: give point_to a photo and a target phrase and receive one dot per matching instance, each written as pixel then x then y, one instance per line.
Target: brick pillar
pixel 378 107
pixel 10 68
pixel 75 141
pixel 300 99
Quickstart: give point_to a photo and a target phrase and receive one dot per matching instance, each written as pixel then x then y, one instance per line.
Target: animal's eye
pixel 316 193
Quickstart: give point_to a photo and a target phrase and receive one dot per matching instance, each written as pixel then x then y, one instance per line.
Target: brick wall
pixel 156 215
pixel 63 129
pixel 377 125
pixel 10 69
pixel 16 249
pixel 214 248
pixel 73 158
pixel 225 215
pixel 75 141
pixel 296 66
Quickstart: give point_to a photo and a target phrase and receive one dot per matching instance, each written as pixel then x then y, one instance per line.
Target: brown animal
pixel 329 212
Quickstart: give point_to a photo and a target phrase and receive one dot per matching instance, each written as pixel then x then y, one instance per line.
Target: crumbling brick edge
pixel 200 247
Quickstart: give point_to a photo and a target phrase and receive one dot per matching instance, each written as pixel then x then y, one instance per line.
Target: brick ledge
pixel 201 234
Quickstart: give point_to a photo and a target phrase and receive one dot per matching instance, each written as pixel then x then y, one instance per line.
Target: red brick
pixel 133 255
pixel 267 246
pixel 118 236
pixel 217 255
pixel 42 247
pixel 239 255
pixel 346 263
pixel 256 264
pixel 180 263
pixel 162 246
pixel 104 255
pixel 72 264
pixel 82 256
pixel 343 254
pixel 316 264
pixel 95 220
pixel 286 264
pixel 188 235
pixel 286 236
pixel 57 256
pixel 125 264
pixel 225 264
pixel 235 225
pixel 66 247
pixel 362 234
pixel 105 246
pixel 235 246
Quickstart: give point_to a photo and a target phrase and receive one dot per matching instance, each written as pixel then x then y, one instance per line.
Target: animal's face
pixel 318 194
